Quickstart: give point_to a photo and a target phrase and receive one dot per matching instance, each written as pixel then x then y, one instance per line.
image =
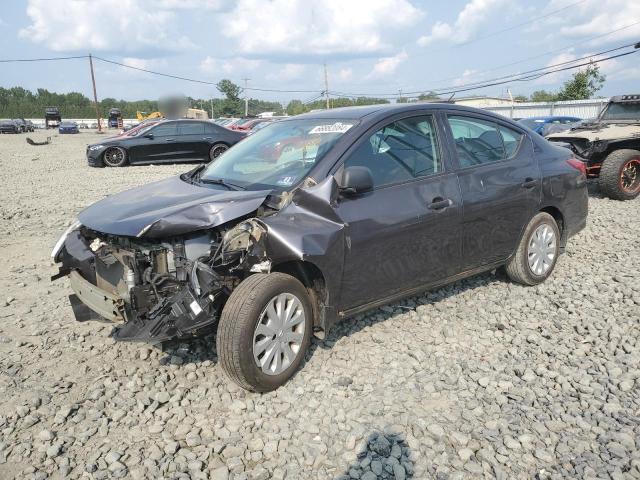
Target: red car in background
pixel 247 124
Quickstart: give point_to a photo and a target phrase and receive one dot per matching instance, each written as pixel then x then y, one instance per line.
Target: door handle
pixel 207 138
pixel 529 183
pixel 170 140
pixel 440 203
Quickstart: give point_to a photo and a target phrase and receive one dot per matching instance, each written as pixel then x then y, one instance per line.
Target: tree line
pixel 18 102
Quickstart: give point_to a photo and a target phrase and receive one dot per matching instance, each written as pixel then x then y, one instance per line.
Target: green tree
pixel 584 84
pixel 429 96
pixel 520 98
pixel 543 96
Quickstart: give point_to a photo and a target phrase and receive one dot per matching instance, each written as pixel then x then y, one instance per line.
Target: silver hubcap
pixel 278 337
pixel 542 249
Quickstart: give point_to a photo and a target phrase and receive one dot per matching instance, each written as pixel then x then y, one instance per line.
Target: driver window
pixel 165 130
pixel 401 151
pixel 477 141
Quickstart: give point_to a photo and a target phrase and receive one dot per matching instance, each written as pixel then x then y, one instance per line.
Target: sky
pixel 369 46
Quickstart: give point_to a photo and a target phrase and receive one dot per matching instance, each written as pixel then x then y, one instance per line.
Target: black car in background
pixel 9 126
pixel 167 141
pixel 317 218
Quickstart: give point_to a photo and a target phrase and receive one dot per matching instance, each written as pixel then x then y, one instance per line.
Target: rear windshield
pixel 622 111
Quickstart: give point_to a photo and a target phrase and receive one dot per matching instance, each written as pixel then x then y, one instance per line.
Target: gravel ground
pixel 481 379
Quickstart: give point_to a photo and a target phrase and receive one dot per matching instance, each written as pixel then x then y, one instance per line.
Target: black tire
pixel 517 267
pixel 115 157
pixel 240 316
pixel 216 150
pixel 612 181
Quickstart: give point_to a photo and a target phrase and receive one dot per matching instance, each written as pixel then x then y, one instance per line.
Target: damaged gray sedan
pixel 315 219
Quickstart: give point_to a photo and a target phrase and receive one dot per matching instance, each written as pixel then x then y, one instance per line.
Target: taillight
pixel 578 165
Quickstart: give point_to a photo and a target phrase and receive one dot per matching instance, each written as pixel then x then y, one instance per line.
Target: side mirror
pixel 356 180
pixel 149 136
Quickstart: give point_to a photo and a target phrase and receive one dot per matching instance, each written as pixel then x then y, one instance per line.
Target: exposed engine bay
pixel 165 289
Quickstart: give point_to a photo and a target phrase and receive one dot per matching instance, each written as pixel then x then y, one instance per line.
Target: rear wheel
pixel 216 150
pixel 537 252
pixel 115 157
pixel 620 175
pixel 264 331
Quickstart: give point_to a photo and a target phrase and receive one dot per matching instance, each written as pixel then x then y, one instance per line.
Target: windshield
pixel 278 156
pixel 621 111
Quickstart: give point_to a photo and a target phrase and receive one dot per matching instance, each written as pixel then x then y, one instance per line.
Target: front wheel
pixel 264 331
pixel 537 252
pixel 115 157
pixel 216 150
pixel 620 175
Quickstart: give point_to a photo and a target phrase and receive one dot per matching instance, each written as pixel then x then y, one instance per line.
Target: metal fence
pixel 572 108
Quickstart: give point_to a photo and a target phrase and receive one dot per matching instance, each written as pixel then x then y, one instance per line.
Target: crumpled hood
pixel 611 131
pixel 168 208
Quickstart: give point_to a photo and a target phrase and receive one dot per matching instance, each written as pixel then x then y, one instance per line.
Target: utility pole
pixel 400 96
pixel 95 95
pixel 246 99
pixel 211 108
pixel 326 84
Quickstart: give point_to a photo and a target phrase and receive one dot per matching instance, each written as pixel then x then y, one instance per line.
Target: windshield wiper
pixel 220 181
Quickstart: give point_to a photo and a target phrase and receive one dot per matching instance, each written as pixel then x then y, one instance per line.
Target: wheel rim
pixel 542 249
pixel 278 337
pixel 217 150
pixel 630 176
pixel 113 156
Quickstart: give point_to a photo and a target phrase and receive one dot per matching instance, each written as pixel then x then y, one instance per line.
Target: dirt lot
pixel 480 379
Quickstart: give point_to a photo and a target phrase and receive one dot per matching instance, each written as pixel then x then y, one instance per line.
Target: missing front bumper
pixel 103 303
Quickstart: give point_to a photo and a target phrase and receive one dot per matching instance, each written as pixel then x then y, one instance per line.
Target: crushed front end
pixel 154 290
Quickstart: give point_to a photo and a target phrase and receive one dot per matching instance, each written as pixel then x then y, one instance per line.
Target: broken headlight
pixel 58 246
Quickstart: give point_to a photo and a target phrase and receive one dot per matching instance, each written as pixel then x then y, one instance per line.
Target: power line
pixel 48 59
pixel 507 78
pixel 513 27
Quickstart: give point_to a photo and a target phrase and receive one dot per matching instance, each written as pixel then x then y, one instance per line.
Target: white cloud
pixel 388 65
pixel 126 26
pixel 287 72
pixel 332 27
pixel 595 17
pixel 237 66
pixel 474 15
pixel 468 76
pixel 345 74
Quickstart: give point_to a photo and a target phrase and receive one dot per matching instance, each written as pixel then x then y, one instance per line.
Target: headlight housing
pixel 58 246
pixel 95 147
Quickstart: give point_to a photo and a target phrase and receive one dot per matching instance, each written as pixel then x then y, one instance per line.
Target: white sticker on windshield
pixel 286 181
pixel 337 127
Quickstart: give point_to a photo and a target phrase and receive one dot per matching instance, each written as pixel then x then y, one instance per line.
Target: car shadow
pixel 351 326
pixel 384 455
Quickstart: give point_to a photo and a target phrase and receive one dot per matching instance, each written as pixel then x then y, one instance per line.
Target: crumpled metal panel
pixel 168 208
pixel 309 229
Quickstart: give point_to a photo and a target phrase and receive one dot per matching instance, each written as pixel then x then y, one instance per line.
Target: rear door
pixel 500 183
pixel 406 232
pixel 160 146
pixel 192 142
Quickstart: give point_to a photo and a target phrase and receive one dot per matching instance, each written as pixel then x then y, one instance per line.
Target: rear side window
pixel 511 140
pixel 211 128
pixel 191 128
pixel 480 141
pixel 401 151
pixel 165 130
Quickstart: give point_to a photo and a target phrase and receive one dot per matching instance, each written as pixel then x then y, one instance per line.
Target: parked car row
pixel 247 124
pixel 608 145
pixel 313 220
pixel 16 125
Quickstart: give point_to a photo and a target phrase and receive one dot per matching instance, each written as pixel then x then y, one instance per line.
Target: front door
pixel 500 183
pixel 405 233
pixel 157 145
